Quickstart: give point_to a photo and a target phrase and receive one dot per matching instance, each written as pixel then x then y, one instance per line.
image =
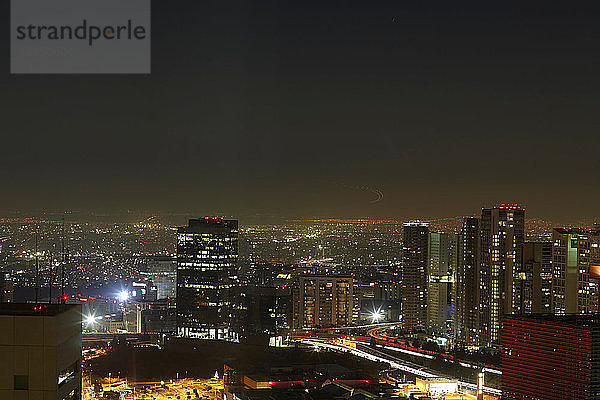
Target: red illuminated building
pixel 547 357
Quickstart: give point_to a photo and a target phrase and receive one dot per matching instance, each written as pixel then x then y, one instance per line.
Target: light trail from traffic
pixel 393 363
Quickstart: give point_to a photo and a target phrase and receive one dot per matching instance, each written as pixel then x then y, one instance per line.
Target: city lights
pixel 376 316
pixel 90 320
pixel 123 296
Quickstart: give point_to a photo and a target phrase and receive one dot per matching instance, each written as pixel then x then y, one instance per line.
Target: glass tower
pixel 207 253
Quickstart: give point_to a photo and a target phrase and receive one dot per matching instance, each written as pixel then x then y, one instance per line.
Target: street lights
pixel 480 378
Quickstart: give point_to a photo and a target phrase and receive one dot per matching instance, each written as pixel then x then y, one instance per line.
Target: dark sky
pixel 318 108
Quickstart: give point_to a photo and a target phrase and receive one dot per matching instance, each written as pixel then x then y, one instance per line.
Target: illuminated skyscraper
pixel 502 236
pixel 573 289
pixel 414 274
pixel 207 253
pixel 467 282
pixel 442 261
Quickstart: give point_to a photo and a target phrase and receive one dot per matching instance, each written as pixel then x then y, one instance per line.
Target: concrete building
pixel 323 301
pixel 40 351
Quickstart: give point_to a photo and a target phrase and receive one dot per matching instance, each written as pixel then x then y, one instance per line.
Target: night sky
pixel 320 108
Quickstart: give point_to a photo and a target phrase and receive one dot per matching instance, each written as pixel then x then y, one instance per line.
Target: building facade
pixel 441 262
pixel 546 357
pixel 207 253
pixel 574 290
pixel 162 270
pixel 40 351
pixel 414 274
pixel 535 283
pixel 502 237
pixel 466 312
pixel 6 288
pixel 321 301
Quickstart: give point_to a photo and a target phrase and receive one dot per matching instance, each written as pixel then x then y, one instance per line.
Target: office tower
pixel 546 357
pixel 414 274
pixel 535 283
pixel 573 289
pixel 323 301
pixel 162 270
pixel 502 236
pixel 40 351
pixel 6 288
pixel 441 260
pixel 207 252
pixel 467 282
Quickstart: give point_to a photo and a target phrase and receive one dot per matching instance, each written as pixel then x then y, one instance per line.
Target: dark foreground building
pixel 546 357
pixel 40 351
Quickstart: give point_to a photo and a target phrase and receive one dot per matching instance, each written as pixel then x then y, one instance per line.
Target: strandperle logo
pixel 80 36
pixel 88 32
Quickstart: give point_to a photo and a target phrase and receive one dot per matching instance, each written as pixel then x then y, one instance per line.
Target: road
pixel 394 362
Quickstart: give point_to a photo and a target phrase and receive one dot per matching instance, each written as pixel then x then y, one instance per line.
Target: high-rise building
pixel 40 351
pixel 414 274
pixel 323 301
pixel 467 283
pixel 546 357
pixel 502 237
pixel 162 271
pixel 535 283
pixel 207 253
pixel 574 291
pixel 441 262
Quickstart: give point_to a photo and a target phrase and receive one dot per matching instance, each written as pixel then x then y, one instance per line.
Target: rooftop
pixel 570 319
pixel 28 309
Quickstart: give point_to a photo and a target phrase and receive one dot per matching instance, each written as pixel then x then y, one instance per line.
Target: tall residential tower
pixel 502 236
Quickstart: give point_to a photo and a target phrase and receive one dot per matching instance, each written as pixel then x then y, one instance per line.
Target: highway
pixel 395 363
